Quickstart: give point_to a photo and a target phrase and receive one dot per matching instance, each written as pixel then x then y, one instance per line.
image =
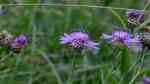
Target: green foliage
pixel 45 61
pixel 107 2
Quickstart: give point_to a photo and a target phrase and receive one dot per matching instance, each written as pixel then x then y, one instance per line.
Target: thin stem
pixel 19 58
pixel 85 65
pixel 73 5
pixel 31 78
pixel 142 57
pixel 140 67
pixel 147 5
pixel 118 17
pixel 136 75
pixel 102 78
pixel 5 57
pixel 34 31
pixel 143 24
pixel 53 68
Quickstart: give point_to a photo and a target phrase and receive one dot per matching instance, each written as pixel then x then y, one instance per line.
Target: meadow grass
pixel 45 61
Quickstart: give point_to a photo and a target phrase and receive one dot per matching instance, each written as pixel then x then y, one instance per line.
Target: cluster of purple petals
pixel 122 37
pixel 19 42
pixel 80 39
pixel 77 40
pixel 12 42
pixel 146 80
pixel 136 15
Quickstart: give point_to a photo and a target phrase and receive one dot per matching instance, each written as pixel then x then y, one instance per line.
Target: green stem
pixel 118 17
pixel 53 68
pixel 147 5
pixel 140 67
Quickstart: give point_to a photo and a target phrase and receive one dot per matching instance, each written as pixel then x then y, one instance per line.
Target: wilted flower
pixel 121 37
pixel 135 17
pixel 6 38
pixel 2 37
pixel 78 39
pixel 145 40
pixel 19 42
pixel 146 80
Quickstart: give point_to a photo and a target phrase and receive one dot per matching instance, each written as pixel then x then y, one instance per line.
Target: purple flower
pixel 135 17
pixel 121 37
pixel 134 13
pixel 146 80
pixel 19 42
pixel 78 39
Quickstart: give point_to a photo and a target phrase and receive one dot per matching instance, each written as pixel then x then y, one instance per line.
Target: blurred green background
pixel 45 61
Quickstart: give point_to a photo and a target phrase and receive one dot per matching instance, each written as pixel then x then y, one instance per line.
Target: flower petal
pixel 91 44
pixel 65 39
pixel 106 36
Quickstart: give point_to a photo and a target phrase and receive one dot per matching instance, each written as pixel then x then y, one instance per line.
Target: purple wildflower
pixel 135 17
pixel 134 13
pixel 78 39
pixel 146 80
pixel 121 37
pixel 19 42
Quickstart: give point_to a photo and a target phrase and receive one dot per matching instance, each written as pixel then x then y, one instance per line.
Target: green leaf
pixel 125 65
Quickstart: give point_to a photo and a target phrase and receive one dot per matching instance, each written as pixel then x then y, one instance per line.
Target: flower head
pixel 135 17
pixel 146 80
pixel 121 37
pixel 19 42
pixel 6 38
pixel 78 39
